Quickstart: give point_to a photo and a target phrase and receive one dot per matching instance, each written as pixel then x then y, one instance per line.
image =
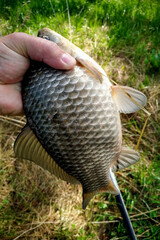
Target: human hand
pixel 16 50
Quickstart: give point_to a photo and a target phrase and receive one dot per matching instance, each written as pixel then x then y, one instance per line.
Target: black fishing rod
pixel 123 210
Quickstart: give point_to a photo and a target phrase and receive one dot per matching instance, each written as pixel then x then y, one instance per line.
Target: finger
pixel 39 49
pixel 12 65
pixel 10 100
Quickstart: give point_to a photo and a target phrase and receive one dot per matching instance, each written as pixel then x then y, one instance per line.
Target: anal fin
pixel 127 157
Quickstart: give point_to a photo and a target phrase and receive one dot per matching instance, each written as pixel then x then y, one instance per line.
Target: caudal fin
pixel 110 188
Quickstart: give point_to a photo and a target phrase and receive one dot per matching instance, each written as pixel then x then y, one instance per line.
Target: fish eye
pixel 46 37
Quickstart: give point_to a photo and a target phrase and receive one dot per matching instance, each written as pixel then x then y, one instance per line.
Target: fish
pixel 73 126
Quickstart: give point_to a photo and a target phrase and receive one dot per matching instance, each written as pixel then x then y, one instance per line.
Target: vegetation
pixel 124 37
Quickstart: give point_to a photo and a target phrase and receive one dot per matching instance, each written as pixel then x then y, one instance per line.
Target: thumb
pixel 39 49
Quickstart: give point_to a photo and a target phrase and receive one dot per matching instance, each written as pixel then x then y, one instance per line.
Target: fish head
pixel 80 56
pixel 49 34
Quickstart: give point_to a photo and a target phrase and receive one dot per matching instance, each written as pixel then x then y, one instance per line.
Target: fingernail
pixel 67 59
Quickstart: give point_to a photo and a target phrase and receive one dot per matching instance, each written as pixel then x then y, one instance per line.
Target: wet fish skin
pixel 75 119
pixel 73 123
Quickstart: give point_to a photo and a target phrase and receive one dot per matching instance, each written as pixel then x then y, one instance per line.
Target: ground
pixel 124 39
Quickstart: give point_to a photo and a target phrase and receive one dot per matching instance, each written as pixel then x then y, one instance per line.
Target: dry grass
pixel 40 204
pixel 35 205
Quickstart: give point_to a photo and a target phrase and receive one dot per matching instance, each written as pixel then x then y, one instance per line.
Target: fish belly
pixel 75 119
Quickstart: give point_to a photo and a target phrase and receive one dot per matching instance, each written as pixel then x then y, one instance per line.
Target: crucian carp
pixel 73 127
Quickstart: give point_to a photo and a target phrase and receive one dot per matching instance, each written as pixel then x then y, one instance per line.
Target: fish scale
pixel 75 121
pixel 73 124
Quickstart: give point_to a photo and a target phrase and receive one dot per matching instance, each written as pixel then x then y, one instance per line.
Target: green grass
pixel 124 37
pixel 134 28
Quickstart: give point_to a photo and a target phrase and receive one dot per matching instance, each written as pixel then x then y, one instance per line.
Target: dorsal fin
pixel 126 158
pixel 28 147
pixel 128 100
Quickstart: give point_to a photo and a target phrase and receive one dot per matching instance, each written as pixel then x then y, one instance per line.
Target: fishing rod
pixel 123 210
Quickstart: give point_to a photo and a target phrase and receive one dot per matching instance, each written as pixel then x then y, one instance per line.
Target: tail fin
pixel 110 188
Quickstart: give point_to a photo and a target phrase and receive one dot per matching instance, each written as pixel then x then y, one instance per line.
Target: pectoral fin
pixel 126 158
pixel 28 147
pixel 91 67
pixel 128 100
